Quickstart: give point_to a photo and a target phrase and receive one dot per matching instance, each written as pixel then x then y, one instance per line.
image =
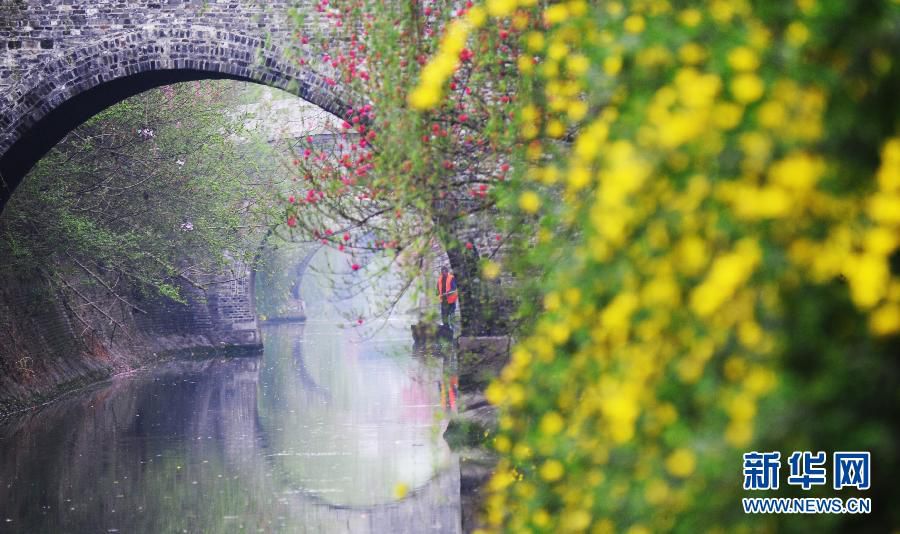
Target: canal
pixel 327 431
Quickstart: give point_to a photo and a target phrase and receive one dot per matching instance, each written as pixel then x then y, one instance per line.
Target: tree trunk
pixel 482 305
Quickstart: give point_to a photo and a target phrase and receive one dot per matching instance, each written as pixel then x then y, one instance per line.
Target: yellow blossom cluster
pixel 699 182
pixel 435 75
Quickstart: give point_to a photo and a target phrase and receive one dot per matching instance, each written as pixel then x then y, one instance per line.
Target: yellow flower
pixel 681 463
pixel 742 408
pixel 520 18
pixel 693 254
pixel 884 208
pixel 522 451
pixel 728 272
pixel 743 58
pixel 880 241
pixel 529 202
pixel 760 380
pixel 501 479
pixel 552 423
pixel 552 470
pixel 772 114
pixel 495 393
pixel 454 39
pixel 690 17
pixel 530 114
pixel 579 177
pixel 749 333
pixel 576 521
pixel 424 97
pixel 612 65
pixel 556 13
pixel 477 16
pixel 555 129
pixel 491 270
pixel 727 115
pixel 657 491
pixel 552 301
pixel 559 333
pixel 541 518
pixel 889 172
pixel 806 6
pixel 557 50
pixel 400 490
pixel 576 110
pixel 739 433
pixel 500 8
pixel 885 320
pixel 691 53
pixel 747 88
pixel 534 41
pixel 799 171
pixel 525 64
pixel 635 24
pixel 869 276
pixel 577 64
pixel 797 33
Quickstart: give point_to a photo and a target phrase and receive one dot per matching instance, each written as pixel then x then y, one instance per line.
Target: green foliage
pixel 153 192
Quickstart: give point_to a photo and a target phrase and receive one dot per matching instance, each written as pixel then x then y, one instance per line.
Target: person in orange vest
pixel 446 288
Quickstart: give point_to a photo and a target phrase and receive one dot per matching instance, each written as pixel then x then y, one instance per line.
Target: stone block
pixel 481 359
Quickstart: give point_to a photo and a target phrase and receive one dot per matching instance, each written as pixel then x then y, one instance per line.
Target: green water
pixel 323 433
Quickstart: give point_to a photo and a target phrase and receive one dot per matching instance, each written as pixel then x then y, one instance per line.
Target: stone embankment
pixel 475 361
pixel 61 337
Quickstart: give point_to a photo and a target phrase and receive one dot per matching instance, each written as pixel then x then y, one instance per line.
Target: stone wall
pixel 64 336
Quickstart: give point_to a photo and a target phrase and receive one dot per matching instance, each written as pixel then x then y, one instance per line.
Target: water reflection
pixel 315 436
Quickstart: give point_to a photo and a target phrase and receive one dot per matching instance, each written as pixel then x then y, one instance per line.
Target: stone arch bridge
pixel 62 61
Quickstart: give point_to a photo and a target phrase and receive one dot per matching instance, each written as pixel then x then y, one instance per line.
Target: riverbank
pixel 60 377
pixel 480 360
pixel 53 341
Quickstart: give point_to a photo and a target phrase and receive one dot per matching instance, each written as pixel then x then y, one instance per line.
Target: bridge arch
pixel 55 96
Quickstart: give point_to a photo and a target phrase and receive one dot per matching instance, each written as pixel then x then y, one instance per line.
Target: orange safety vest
pixel 445 285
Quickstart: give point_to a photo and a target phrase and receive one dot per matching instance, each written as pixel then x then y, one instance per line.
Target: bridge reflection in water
pixel 322 434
